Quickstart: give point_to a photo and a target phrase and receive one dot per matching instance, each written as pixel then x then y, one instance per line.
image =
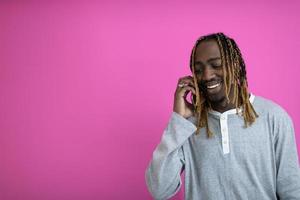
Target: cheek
pixel 220 72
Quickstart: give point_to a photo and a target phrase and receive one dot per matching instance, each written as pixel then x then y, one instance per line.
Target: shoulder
pixel 269 108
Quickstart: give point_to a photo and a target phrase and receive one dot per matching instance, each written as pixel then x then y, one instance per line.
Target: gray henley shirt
pixel 255 163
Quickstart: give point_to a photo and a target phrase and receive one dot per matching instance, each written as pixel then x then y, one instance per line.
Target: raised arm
pixel 163 172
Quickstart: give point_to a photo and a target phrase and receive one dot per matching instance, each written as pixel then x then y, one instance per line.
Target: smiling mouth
pixel 213 86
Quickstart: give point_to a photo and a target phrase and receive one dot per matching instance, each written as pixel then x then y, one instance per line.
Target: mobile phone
pixel 193 99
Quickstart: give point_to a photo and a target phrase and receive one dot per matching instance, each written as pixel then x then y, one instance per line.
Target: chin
pixel 215 98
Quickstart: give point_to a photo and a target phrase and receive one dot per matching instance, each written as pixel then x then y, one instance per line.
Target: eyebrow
pixel 209 60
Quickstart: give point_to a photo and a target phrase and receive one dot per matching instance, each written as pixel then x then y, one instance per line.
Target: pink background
pixel 87 87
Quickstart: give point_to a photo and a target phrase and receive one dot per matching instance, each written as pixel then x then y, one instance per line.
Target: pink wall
pixel 87 88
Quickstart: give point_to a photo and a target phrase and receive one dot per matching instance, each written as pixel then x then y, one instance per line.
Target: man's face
pixel 209 71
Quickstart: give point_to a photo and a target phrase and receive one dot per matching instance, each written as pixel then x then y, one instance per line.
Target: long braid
pixel 234 72
pixel 248 111
pixel 198 104
pixel 228 77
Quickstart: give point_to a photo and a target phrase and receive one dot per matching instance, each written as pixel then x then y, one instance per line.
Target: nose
pixel 208 73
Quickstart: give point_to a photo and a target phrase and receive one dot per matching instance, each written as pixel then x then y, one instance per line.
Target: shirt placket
pixel 224 132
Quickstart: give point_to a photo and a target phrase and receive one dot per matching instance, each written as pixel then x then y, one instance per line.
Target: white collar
pixel 231 111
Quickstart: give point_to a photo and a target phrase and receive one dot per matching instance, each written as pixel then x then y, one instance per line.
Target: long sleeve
pixel 163 172
pixel 287 164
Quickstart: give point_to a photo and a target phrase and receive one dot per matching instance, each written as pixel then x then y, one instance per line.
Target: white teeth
pixel 213 86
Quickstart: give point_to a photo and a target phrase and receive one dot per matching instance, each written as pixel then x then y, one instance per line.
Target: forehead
pixel 207 49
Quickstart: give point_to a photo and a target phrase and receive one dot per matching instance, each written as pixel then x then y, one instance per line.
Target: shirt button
pixel 225 142
pixel 224 129
pixel 223 118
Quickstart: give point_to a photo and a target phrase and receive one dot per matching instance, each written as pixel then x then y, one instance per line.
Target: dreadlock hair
pixel 234 71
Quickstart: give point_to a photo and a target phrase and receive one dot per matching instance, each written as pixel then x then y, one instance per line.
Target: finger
pixel 184 78
pixel 185 93
pixel 191 89
pixel 183 85
pixel 187 80
pixel 186 89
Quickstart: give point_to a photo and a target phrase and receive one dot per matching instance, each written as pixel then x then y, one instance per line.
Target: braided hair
pixel 234 71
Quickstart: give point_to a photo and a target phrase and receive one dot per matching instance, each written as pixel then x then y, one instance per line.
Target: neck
pixel 222 106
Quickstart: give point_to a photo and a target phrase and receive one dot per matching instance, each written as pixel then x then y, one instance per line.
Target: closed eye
pixel 216 66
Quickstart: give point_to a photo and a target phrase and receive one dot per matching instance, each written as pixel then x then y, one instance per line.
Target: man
pixel 231 144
